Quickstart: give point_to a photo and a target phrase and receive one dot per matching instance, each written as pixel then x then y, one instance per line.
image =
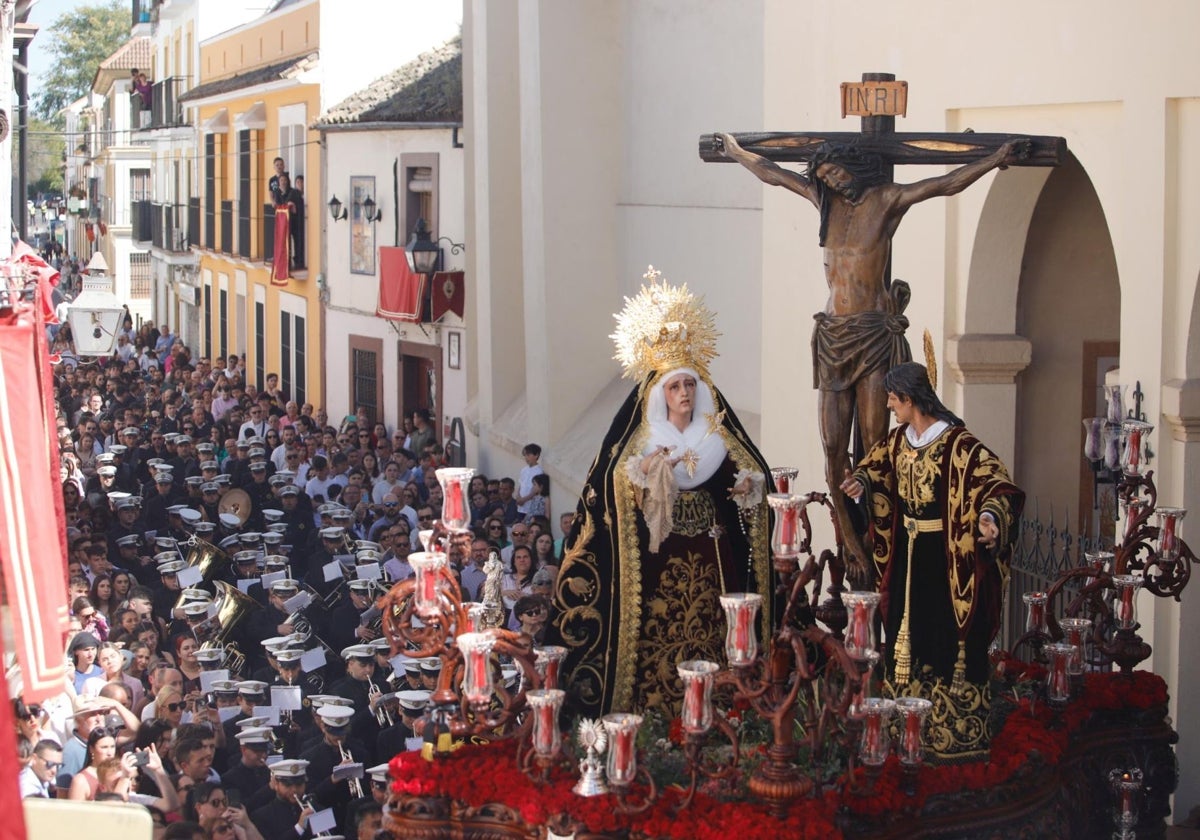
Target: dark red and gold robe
pixel 957 586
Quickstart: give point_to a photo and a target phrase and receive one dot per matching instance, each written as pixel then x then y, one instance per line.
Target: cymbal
pixel 236 502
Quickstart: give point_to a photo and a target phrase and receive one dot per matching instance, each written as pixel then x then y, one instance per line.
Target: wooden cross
pixel 878 99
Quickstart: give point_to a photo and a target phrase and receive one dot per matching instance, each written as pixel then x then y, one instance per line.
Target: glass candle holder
pixel 1093 438
pixel 1168 532
pixel 1099 561
pixel 875 745
pixel 1112 446
pixel 547 660
pixel 1058 680
pixel 697 676
pixel 785 536
pixel 474 611
pixel 546 704
pixel 741 643
pixel 1126 785
pixel 425 537
pixel 1135 439
pixel 860 629
pixel 783 478
pixel 456 482
pixel 912 712
pixel 621 762
pixel 1035 613
pixel 427 572
pixel 1125 601
pixel 1114 400
pixel 1076 632
pixel 476 649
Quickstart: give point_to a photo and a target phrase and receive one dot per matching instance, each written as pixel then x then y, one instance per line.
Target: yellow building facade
pixel 253 104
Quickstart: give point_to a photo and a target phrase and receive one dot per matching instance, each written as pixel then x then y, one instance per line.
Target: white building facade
pixel 410 162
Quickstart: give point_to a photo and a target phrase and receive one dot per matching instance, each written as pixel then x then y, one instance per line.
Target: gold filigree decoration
pixel 690 460
pixel 682 620
pixel 957 726
pixel 931 368
pixel 693 513
pixel 664 327
pixel 715 420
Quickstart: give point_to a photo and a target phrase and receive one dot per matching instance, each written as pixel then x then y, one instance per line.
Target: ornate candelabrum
pixel 426 616
pixel 1150 555
pixel 785 684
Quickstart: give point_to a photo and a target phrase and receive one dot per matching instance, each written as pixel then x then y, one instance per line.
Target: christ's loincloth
pixel 847 348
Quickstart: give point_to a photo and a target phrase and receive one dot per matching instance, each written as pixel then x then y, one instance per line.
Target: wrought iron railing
pixel 169 228
pixel 165 108
pixel 142 221
pixel 1044 549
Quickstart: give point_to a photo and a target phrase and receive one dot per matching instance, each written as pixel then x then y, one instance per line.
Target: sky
pixel 44 13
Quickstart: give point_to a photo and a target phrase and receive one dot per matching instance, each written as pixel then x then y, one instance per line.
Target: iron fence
pixel 1043 550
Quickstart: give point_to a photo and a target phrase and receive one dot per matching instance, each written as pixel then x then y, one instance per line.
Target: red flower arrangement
pixel 477 775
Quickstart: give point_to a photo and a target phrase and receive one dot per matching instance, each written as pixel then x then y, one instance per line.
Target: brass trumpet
pixel 382 716
pixel 355 784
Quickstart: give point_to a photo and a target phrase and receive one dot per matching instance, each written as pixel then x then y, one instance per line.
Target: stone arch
pixel 1042 283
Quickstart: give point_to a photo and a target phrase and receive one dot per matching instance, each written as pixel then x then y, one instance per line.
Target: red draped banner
pixel 401 291
pixel 283 245
pixel 32 520
pixel 448 294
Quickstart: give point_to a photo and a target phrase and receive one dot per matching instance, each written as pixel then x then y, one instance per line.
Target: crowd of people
pixel 226 548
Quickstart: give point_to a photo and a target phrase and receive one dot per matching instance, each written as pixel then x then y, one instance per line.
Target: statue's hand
pixel 851 486
pixel 988 532
pixel 724 143
pixel 1014 151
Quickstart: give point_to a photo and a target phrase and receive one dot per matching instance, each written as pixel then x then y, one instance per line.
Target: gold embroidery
pixel 957 726
pixel 715 419
pixel 690 460
pixel 682 620
pixel 693 513
pixel 629 562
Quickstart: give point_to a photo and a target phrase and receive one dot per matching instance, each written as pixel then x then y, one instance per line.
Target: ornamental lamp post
pixel 96 315
pixel 422 252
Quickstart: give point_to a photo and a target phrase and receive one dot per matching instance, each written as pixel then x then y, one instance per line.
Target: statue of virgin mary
pixel 672 516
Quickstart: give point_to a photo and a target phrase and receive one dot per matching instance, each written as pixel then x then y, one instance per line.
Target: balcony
pixel 141 222
pixel 143 11
pixel 169 228
pixel 165 109
pixel 299 258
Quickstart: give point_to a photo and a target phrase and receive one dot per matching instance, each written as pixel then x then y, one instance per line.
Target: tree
pixel 79 40
pixel 46 149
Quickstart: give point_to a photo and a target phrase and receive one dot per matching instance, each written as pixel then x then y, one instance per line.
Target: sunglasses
pixel 176 707
pixel 391 504
pixel 218 803
pixel 495 527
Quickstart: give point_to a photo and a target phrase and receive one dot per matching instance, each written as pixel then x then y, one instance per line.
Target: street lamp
pixel 422 251
pixel 336 210
pixel 96 315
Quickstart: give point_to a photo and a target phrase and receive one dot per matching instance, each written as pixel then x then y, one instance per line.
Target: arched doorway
pixel 1069 309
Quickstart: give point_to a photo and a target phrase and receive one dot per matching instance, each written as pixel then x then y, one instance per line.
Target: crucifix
pixel 859 335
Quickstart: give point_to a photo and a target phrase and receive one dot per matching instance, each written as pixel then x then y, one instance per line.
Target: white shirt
pixel 525 485
pixel 259 429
